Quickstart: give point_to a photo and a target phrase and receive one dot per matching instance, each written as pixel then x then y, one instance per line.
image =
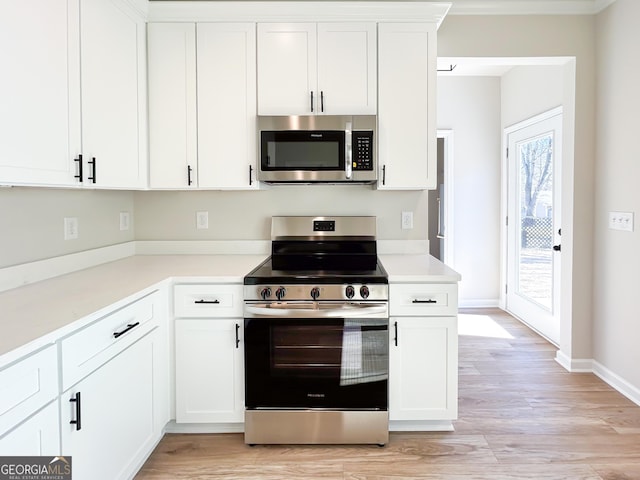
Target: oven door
pixel 326 363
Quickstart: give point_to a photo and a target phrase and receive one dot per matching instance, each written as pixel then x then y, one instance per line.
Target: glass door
pixel 533 231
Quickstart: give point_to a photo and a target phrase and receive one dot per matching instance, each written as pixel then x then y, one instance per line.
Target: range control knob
pixel 350 292
pixel 364 292
pixel 265 293
pixel 315 293
pixel 280 293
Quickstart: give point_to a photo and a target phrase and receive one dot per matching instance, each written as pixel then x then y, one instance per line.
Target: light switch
pixel 621 221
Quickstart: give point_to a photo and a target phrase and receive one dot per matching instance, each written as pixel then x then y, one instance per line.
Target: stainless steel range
pixel 317 335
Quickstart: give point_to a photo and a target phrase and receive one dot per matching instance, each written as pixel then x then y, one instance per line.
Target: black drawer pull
pixel 77 421
pixel 395 338
pixel 129 327
pixel 207 301
pixel 415 300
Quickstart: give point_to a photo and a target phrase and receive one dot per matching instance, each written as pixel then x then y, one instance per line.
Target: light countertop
pixel 37 314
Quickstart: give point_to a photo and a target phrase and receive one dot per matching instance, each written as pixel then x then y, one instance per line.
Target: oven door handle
pixel 315 310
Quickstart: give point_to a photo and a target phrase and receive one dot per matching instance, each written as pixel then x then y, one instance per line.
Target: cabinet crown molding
pixel 290 11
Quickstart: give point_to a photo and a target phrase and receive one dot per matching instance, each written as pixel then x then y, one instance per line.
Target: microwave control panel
pixel 362 150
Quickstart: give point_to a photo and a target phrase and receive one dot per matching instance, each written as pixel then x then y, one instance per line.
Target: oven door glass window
pixel 316 363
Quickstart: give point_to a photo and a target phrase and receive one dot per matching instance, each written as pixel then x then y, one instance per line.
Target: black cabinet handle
pixel 395 338
pixel 122 332
pixel 321 101
pixel 77 422
pixel 92 162
pixel 237 336
pixel 79 175
pixel 311 101
pixel 189 182
pixel 384 174
pixel 415 300
pixel 250 174
pixel 557 248
pixel 206 301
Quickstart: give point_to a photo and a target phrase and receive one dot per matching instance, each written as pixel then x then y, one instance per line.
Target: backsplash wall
pixel 246 215
pixel 32 221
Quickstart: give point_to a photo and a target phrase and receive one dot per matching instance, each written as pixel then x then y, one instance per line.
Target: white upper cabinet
pixel 347 68
pixel 39 113
pixel 226 66
pixel 202 105
pixel 315 69
pixel 407 106
pixel 112 57
pixel 173 148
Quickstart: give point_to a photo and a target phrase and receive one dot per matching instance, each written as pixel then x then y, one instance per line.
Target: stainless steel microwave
pixel 317 156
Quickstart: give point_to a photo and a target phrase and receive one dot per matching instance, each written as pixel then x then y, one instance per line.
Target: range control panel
pixel 362 149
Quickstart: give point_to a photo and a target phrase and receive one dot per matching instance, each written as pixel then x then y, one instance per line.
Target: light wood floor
pixel 521 416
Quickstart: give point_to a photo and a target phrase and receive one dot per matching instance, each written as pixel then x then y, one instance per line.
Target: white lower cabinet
pixel 37 436
pixel 108 418
pixel 423 355
pixel 423 360
pixel 209 370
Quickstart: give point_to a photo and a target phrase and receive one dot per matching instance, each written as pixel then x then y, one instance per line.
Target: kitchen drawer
pixel 422 299
pixel 96 344
pixel 26 386
pixel 213 300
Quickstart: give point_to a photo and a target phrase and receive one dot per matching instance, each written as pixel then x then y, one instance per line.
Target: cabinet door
pixel 347 68
pixel 113 105
pixel 287 69
pixel 209 371
pixel 172 105
pixel 423 363
pixel 226 105
pixel 39 95
pixel 406 105
pixel 116 413
pixel 37 436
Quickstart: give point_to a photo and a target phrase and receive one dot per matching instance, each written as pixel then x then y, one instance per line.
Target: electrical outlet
pixel 407 220
pixel 70 228
pixel 202 220
pixel 621 221
pixel 124 221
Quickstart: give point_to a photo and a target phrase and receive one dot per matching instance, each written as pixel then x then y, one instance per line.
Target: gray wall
pixel 32 221
pixel 617 257
pixel 470 106
pixel 247 215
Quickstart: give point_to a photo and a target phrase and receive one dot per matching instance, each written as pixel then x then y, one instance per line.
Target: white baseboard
pixel 586 365
pixel 26 273
pixel 617 382
pixel 574 365
pixel 478 303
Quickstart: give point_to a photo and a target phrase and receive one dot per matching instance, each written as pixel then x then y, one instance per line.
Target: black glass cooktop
pixel 265 273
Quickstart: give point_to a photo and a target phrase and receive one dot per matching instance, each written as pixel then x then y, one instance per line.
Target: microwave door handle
pixel 348 160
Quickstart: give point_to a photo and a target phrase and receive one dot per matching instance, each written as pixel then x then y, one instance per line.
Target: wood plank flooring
pixel 521 416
